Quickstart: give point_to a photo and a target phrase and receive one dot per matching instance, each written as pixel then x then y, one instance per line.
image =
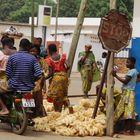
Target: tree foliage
pixel 20 10
pixel 8 6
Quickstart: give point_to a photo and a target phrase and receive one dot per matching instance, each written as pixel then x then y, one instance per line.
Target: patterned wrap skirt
pixel 58 87
pixel 126 106
pixel 87 77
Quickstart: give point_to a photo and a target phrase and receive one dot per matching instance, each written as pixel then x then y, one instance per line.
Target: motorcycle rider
pixel 22 70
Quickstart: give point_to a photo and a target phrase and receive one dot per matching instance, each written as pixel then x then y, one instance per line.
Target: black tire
pixel 20 127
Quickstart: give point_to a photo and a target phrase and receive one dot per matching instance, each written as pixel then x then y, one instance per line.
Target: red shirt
pixel 58 65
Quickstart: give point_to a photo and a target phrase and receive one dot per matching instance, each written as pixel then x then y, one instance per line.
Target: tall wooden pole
pixel 101 85
pixel 32 25
pixel 110 89
pixel 44 30
pixel 76 34
pixel 56 20
pixel 45 1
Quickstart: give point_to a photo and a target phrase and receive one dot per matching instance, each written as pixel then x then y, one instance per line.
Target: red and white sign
pixel 115 31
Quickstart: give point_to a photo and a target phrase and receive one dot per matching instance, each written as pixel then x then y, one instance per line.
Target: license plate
pixel 28 102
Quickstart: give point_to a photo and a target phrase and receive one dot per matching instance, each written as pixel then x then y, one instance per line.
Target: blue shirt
pixel 22 71
pixel 132 83
pixel 43 51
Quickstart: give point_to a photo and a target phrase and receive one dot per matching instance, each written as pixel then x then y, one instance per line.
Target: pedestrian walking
pixel 87 67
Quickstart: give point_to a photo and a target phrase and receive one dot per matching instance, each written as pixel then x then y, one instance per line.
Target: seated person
pixel 6 51
pixel 22 71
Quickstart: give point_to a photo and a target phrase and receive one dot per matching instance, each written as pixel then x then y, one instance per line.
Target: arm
pixel 65 62
pixel 94 66
pixel 50 74
pixel 123 80
pixel 138 77
pixel 50 69
pixel 92 57
pixel 37 71
pixel 82 58
pixel 9 69
pixel 67 65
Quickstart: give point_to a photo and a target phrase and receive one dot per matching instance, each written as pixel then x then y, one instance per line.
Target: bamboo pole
pixel 110 89
pixel 44 30
pixel 56 20
pixel 32 25
pixel 76 34
pixel 74 96
pixel 101 85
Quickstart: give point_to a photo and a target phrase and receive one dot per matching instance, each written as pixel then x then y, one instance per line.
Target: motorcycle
pixel 20 106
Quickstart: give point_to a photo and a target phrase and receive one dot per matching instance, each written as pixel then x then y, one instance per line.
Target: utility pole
pixel 32 25
pixel 56 20
pixel 77 32
pixel 44 30
pixel 45 1
pixel 110 89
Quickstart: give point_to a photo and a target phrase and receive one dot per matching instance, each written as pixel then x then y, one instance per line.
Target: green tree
pixel 20 10
pixel 23 14
pixel 8 6
pixel 97 8
pixel 126 6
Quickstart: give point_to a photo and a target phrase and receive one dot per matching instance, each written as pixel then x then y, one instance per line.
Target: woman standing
pixel 86 66
pixel 125 109
pixel 58 82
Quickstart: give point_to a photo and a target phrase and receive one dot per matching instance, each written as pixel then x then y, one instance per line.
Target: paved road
pixel 5 134
pixel 75 88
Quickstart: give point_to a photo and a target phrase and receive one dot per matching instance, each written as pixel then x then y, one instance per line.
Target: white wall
pixel 84 39
pixel 87 32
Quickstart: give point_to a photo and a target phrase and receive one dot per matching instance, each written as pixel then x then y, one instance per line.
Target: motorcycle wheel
pixel 21 125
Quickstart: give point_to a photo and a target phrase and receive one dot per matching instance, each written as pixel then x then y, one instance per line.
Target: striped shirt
pixel 22 71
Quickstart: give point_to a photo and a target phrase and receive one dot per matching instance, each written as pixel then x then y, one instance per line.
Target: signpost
pixel 44 19
pixel 114 33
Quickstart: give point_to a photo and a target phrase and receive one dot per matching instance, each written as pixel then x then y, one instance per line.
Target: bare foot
pixel 129 133
pixel 132 133
pixel 4 112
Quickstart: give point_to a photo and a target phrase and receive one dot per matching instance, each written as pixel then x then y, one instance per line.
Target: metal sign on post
pixel 115 31
pixel 44 19
pixel 44 15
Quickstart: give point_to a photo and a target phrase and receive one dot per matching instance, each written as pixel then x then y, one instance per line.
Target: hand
pixel 82 60
pixel 87 53
pixel 114 73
